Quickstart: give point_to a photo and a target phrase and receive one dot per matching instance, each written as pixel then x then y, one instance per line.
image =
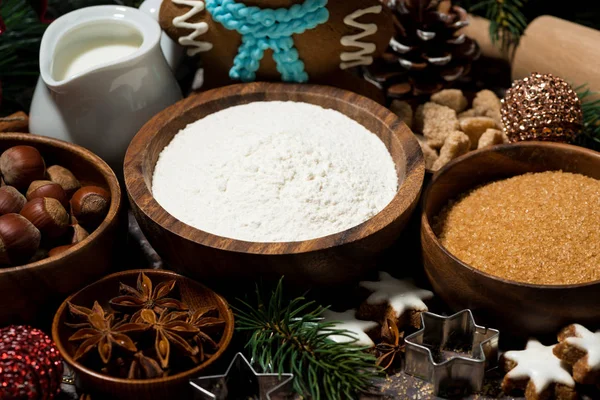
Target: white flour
pixel 274 171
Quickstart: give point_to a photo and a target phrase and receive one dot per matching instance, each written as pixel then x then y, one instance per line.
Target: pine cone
pixel 427 53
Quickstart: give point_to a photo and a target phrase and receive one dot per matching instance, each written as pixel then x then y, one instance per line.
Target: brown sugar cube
pixel 496 115
pixel 491 137
pixel 467 114
pixel 429 154
pixel 418 118
pixel 457 144
pixel 474 127
pixel 453 98
pixel 438 123
pixel 404 111
pixel 576 343
pixel 486 100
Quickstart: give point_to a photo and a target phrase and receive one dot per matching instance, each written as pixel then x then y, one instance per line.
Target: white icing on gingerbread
pixel 199 28
pixel 589 342
pixel 402 295
pixel 347 320
pixel 538 363
pixel 362 56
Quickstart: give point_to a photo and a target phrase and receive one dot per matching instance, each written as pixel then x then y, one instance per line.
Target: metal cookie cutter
pixel 452 352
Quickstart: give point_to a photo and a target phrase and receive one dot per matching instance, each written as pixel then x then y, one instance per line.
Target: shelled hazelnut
pixel 19 239
pixel 39 255
pixel 11 200
pixel 90 205
pixel 78 233
pixel 21 165
pixel 47 189
pixel 48 215
pixel 59 250
pixel 64 178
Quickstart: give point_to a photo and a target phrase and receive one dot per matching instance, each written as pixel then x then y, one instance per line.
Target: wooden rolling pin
pixel 549 45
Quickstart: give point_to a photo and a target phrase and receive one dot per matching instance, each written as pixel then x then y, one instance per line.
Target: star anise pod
pixel 392 345
pixel 81 314
pixel 207 321
pixel 171 328
pixel 132 299
pixel 103 333
pixel 143 367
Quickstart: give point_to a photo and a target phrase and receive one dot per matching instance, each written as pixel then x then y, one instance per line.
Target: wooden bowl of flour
pixel 333 259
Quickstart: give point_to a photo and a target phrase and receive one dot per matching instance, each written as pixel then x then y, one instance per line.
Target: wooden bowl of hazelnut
pixel 59 214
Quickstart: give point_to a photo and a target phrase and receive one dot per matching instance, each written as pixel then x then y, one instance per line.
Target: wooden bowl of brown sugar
pixel 506 292
pixel 332 259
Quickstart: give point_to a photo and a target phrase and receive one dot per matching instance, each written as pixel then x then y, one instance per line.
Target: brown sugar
pixel 541 228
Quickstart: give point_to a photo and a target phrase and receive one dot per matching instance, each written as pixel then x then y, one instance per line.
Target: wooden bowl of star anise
pixel 142 334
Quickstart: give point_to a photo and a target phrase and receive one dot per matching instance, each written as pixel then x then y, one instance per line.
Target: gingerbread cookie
pixel 580 348
pixel 357 329
pixel 398 300
pixel 289 40
pixel 538 372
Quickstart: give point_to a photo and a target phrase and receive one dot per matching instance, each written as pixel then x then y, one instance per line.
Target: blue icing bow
pixel 263 29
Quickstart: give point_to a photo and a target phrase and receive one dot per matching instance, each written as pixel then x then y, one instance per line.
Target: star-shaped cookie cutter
pixel 238 379
pixel 451 352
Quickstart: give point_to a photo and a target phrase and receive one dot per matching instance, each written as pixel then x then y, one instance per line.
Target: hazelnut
pixel 59 250
pixel 64 178
pixel 47 189
pixel 19 239
pixel 90 205
pixel 40 254
pixel 21 165
pixel 79 233
pixel 11 200
pixel 48 215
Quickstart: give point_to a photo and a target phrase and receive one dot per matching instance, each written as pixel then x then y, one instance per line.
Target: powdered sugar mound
pixel 274 171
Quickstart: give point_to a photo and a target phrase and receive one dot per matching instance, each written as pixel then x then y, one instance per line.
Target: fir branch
pixel 293 338
pixel 507 21
pixel 590 135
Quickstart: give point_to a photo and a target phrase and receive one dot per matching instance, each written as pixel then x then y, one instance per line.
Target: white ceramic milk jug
pixel 102 76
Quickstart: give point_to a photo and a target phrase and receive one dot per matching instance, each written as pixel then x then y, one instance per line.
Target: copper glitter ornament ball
pixel 30 364
pixel 541 107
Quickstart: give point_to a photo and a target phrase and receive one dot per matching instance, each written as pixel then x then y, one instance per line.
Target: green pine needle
pixel 590 136
pixel 290 336
pixel 507 21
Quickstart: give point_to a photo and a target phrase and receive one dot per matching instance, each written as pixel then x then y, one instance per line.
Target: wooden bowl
pixel 33 291
pixel 194 294
pixel 519 308
pixel 332 259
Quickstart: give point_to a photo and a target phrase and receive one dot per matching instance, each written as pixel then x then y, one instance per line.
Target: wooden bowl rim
pixel 426 226
pixel 106 172
pixel 409 189
pixel 225 339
